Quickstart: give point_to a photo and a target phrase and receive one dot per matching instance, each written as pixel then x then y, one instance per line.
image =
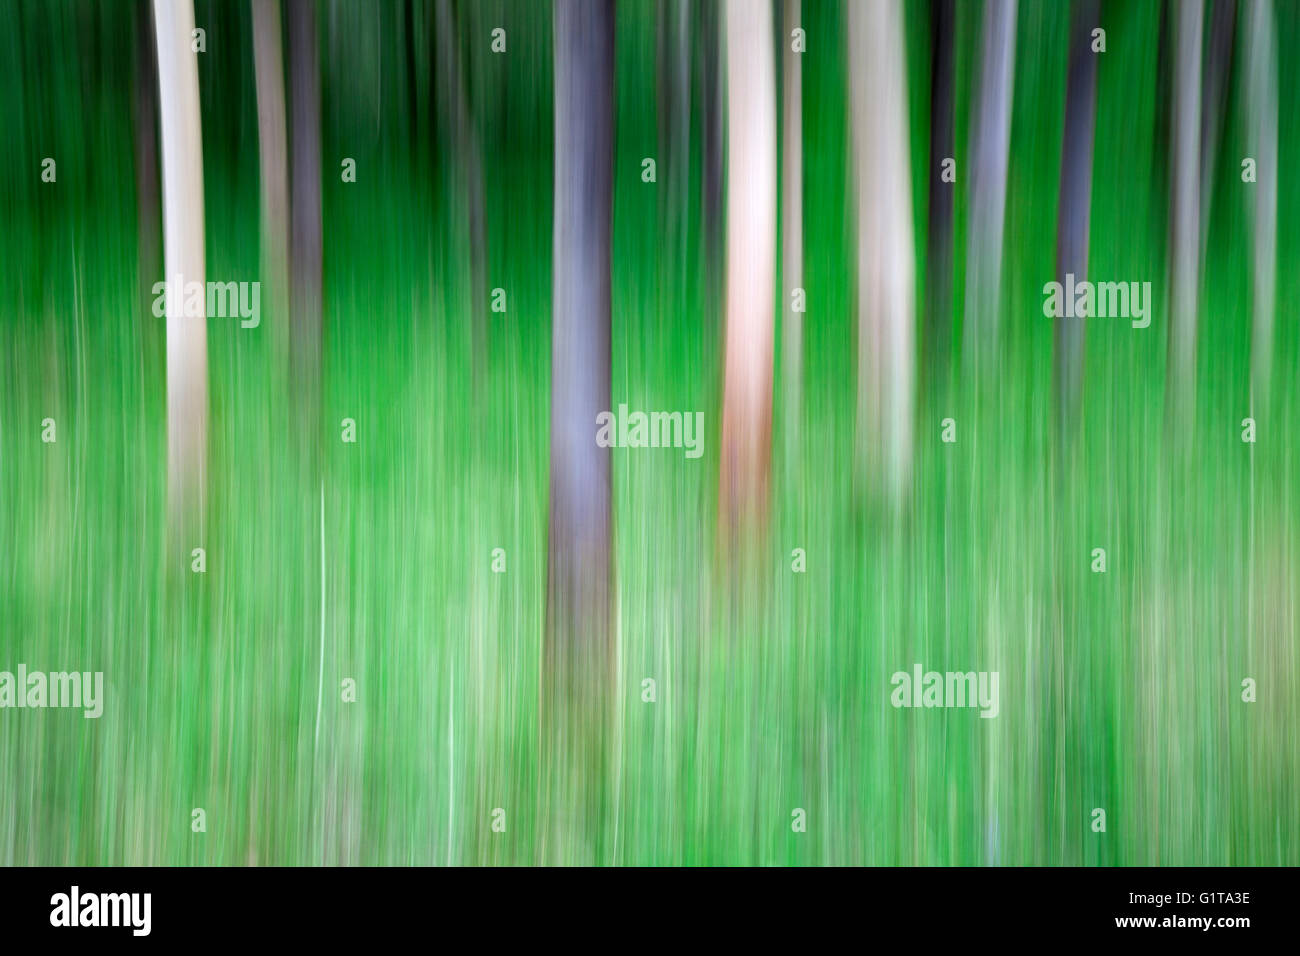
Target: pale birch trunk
pixel 751 264
pixel 792 233
pixel 187 342
pixel 886 266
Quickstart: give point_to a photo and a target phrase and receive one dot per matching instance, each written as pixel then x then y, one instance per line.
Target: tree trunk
pixel 1214 104
pixel 886 267
pixel 990 141
pixel 792 233
pixel 305 212
pixel 1075 204
pixel 711 141
pixel 579 645
pixel 751 265
pixel 1185 212
pixel 187 342
pixel 146 154
pixel 580 348
pixel 673 47
pixel 469 160
pixel 1263 118
pixel 273 155
pixel 938 325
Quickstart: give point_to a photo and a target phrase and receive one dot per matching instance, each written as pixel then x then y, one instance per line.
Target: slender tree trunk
pixel 305 241
pixel 580 346
pixel 938 326
pixel 886 267
pixel 751 265
pixel 1162 129
pixel 469 160
pixel 711 140
pixel 1214 104
pixel 412 76
pixel 146 154
pixel 187 342
pixel 990 142
pixel 1163 126
pixel 674 48
pixel 663 78
pixel 792 233
pixel 579 642
pixel 273 155
pixel 1263 119
pixel 1185 212
pixel 1075 204
pixel 682 101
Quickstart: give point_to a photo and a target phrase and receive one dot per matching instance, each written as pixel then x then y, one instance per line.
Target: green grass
pixel 1119 691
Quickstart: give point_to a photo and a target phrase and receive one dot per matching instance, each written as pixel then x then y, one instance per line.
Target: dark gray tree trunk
pixel 146 154
pixel 273 153
pixel 469 162
pixel 1185 212
pixel 579 661
pixel 673 48
pixel 938 315
pixel 990 142
pixel 1262 116
pixel 1214 105
pixel 1164 85
pixel 1075 204
pixel 711 139
pixel 579 539
pixel 412 75
pixel 305 239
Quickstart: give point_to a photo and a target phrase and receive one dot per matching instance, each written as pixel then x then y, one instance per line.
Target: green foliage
pixel 1119 690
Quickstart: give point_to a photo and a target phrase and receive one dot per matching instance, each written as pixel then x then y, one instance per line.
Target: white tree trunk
pixel 187 343
pixel 751 261
pixel 792 232
pixel 886 262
